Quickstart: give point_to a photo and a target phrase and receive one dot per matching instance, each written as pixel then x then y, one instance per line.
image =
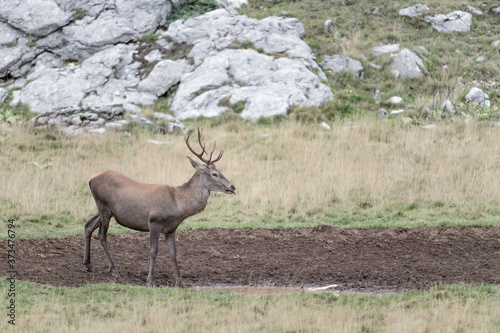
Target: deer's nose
pixel 233 187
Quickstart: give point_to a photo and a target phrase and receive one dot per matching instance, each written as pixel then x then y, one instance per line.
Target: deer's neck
pixel 194 196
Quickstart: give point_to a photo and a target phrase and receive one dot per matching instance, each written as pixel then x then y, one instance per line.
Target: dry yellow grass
pixel 115 308
pixel 285 175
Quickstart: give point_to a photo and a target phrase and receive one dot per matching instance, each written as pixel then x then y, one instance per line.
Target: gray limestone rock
pixel 3 94
pixel 34 17
pixel 414 11
pixel 456 21
pixel 448 106
pixel 218 29
pixel 474 11
pixel 478 97
pixel 68 86
pixel 382 113
pixel 382 49
pixel 377 97
pixel 329 27
pixel 82 59
pixel 407 65
pixel 164 75
pixel 263 85
pixel 338 63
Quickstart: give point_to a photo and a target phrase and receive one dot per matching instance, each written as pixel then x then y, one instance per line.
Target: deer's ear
pixel 195 164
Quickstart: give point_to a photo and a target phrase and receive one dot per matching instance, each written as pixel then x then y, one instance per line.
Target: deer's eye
pixel 214 174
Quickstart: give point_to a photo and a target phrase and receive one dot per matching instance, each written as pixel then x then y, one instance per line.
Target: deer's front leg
pixel 170 238
pixel 154 236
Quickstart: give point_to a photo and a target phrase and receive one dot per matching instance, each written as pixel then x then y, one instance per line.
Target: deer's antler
pixel 202 145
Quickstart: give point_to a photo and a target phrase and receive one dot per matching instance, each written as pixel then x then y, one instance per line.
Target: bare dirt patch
pixel 355 259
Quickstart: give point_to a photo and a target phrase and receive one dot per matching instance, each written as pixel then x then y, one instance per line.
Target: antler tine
pixel 219 157
pixel 202 145
pixel 200 155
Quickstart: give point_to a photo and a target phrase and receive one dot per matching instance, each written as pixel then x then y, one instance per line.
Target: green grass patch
pixel 191 8
pixel 114 308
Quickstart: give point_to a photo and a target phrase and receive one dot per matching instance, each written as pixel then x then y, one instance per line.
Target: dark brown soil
pixel 360 259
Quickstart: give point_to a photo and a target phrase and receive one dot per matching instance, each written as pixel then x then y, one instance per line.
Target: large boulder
pixel 268 70
pixel 101 75
pixel 456 21
pixel 35 17
pixel 262 86
pixel 119 21
pixel 407 65
pixel 164 75
pixel 257 68
pixel 219 29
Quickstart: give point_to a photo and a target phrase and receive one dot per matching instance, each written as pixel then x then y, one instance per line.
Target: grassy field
pixel 364 173
pixel 289 172
pixel 119 308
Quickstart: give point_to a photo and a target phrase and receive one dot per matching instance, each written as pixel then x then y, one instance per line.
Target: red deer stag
pixel 152 207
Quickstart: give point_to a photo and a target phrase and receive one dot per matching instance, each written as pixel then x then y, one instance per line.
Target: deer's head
pixel 211 178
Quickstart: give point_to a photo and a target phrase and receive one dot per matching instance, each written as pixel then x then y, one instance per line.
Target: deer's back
pixel 130 201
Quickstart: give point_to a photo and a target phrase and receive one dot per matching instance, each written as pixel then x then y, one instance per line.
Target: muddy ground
pixel 356 259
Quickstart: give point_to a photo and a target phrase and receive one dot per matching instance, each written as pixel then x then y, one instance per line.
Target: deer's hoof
pixel 90 268
pixel 115 273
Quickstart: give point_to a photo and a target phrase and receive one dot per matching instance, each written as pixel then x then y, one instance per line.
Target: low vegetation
pixel 362 173
pixel 451 62
pixel 119 308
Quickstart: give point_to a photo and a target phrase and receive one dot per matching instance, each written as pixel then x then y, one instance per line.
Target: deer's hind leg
pixel 90 226
pixel 106 215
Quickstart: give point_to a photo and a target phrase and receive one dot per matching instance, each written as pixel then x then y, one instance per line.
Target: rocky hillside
pixel 96 64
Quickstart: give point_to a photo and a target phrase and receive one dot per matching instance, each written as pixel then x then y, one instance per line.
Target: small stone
pixel 377 97
pixel 372 65
pixel 97 130
pixel 154 55
pixel 414 11
pixel 382 49
pixel 156 142
pixel 421 49
pixel 338 63
pixel 474 11
pixel 397 111
pixel 407 65
pixel 430 127
pixel 329 27
pixel 477 97
pixel 394 100
pixel 480 59
pixel 325 126
pixel 3 94
pixel 382 113
pixel 448 106
pixel 115 124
